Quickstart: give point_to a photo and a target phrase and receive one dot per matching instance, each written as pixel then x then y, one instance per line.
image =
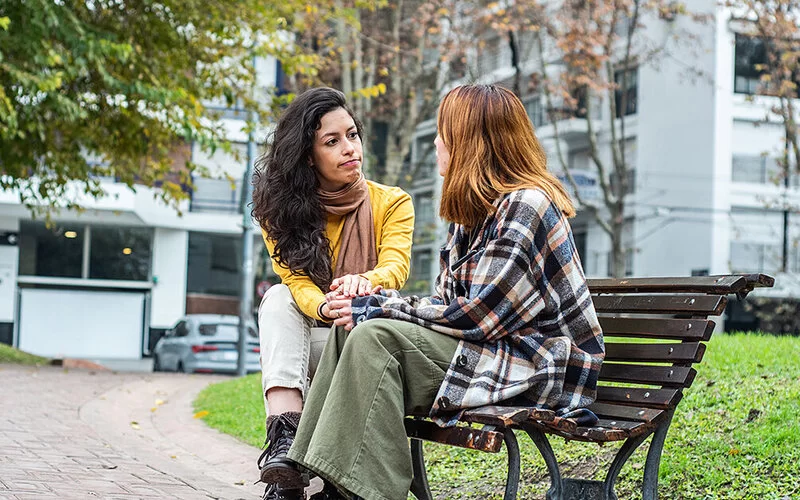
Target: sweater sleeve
pixel 306 294
pixel 394 247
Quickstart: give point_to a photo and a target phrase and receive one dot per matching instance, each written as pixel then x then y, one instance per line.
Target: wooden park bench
pixel 633 312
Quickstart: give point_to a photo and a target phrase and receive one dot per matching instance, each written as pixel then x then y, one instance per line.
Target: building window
pixel 77 251
pixel 535 110
pixel 630 187
pixel 214 264
pixel 55 252
pixel 753 257
pixel 759 169
pixel 420 278
pixel 627 83
pixel 750 52
pixel 425 218
pixel 424 165
pixel 120 253
pixel 494 53
pixel 220 190
pixel 752 57
pixel 579 237
pixel 757 240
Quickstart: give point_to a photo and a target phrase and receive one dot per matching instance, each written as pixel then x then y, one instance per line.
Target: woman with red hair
pixel 512 319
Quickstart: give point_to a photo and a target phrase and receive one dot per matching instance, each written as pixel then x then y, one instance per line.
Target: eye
pixel 352 135
pixel 331 142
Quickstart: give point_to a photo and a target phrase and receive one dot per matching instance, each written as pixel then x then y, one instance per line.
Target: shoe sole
pixel 285 476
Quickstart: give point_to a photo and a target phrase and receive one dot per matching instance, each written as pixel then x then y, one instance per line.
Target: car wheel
pixel 157 364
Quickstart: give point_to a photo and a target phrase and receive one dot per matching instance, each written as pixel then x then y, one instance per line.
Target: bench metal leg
pixel 420 487
pixel 512 480
pixel 543 444
pixel 419 484
pixel 620 459
pixel 650 479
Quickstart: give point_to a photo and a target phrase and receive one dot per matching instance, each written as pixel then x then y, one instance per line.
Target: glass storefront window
pixel 214 264
pixel 55 251
pixel 120 253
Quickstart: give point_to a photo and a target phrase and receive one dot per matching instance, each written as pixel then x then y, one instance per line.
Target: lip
pixel 352 163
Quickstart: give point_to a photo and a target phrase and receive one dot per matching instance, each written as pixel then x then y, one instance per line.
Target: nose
pixel 349 148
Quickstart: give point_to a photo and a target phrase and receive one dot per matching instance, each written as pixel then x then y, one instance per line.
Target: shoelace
pixel 272 492
pixel 279 439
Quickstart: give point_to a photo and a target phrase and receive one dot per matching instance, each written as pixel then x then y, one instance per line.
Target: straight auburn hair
pixel 493 151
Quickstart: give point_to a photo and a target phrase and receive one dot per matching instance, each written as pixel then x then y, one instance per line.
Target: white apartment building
pixel 106 282
pixel 703 161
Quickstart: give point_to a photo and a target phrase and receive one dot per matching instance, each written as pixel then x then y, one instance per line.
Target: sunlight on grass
pixel 734 436
pixel 11 355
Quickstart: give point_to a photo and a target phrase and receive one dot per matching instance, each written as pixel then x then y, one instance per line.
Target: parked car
pixel 205 343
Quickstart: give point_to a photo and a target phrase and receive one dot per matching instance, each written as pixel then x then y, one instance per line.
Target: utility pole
pixel 246 290
pixel 786 171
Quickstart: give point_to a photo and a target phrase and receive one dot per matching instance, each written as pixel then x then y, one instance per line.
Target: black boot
pixel 329 492
pixel 275 492
pixel 274 465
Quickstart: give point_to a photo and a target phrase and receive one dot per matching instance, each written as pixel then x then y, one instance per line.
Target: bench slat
pixel 652 398
pixel 496 415
pixel 464 437
pixel 657 328
pixel 612 430
pixel 605 430
pixel 687 352
pixel 661 304
pixel 632 413
pixel 668 376
pixel 696 284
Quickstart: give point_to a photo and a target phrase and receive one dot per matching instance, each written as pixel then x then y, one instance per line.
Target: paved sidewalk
pixel 82 434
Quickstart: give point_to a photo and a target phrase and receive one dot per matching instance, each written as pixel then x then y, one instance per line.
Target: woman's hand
pixel 338 307
pixel 352 285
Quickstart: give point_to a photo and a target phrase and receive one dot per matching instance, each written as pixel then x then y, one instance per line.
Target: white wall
pixel 9 258
pixel 675 146
pixel 81 323
pixel 168 296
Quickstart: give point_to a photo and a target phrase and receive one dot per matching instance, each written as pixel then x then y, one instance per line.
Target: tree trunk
pixel 617 250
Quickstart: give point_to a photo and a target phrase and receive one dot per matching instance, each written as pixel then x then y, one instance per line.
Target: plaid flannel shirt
pixel 518 300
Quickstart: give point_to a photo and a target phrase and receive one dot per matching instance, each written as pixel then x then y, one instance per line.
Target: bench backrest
pixel 655 329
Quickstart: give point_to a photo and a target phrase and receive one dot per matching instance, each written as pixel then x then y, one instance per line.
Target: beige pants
pixel 291 344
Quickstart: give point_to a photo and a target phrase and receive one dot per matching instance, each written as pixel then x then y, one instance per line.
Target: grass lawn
pixel 10 355
pixel 736 434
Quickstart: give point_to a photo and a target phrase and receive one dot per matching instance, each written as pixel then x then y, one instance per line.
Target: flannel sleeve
pixel 503 295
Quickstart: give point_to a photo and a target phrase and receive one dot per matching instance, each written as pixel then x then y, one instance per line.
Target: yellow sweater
pixel 393 214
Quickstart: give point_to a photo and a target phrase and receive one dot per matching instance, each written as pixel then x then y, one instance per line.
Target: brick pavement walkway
pixel 70 434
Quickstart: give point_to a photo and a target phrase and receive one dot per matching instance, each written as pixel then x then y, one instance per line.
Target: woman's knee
pixel 387 333
pixel 277 299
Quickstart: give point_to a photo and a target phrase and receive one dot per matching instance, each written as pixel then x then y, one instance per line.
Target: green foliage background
pixel 123 83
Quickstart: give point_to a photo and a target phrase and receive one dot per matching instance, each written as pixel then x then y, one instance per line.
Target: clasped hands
pixel 338 301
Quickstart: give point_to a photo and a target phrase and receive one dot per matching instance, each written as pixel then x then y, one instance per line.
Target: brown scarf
pixel 357 252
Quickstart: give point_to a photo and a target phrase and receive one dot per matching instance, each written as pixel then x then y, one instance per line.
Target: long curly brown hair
pixel 285 199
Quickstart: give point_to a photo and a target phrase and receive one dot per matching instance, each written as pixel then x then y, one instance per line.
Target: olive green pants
pixel 351 432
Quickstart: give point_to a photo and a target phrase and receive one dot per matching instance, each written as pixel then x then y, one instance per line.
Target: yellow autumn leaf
pixel 135 425
pixel 160 402
pixel 200 414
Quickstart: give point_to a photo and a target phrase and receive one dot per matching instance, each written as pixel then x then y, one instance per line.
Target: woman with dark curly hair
pixel 331 234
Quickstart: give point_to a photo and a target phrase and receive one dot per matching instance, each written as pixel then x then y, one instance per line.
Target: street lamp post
pixel 246 290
